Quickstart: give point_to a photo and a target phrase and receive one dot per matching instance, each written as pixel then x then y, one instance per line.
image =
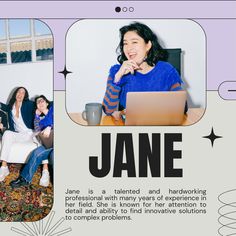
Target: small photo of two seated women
pixel 28 121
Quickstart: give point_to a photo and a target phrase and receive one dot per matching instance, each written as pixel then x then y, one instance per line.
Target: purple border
pixel 215 17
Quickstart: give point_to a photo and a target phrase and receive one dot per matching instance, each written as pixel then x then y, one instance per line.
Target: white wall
pixel 90 52
pixel 36 77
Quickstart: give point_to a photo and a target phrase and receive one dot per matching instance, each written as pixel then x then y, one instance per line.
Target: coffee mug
pixel 92 113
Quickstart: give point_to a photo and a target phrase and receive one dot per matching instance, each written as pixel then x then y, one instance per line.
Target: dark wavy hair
pixel 44 98
pixel 156 52
pixel 13 97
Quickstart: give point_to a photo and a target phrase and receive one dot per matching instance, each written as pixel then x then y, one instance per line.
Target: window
pixel 19 28
pixel 21 52
pixel 41 29
pixel 25 40
pixel 44 49
pixel 3 53
pixel 2 30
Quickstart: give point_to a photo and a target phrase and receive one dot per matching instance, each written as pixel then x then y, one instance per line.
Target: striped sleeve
pixel 36 123
pixel 111 98
pixel 174 80
pixel 176 87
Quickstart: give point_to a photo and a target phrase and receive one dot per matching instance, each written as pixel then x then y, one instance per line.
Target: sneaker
pixel 44 181
pixel 19 182
pixel 4 171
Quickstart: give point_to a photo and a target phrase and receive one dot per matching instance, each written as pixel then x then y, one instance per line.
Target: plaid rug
pixel 30 203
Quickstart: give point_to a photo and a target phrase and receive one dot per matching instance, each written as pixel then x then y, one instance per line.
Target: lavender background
pixel 218 20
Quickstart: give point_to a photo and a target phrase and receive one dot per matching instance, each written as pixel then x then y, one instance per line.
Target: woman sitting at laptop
pixel 141 68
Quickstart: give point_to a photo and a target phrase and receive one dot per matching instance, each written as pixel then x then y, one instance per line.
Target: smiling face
pixel 20 95
pixel 41 104
pixel 135 48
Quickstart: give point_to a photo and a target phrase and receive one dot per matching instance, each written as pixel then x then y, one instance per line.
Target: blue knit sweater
pixel 161 78
pixel 40 123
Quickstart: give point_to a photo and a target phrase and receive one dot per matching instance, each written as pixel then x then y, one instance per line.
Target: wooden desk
pixel 192 116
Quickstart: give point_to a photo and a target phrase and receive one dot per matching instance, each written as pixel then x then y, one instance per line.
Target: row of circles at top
pixel 124 9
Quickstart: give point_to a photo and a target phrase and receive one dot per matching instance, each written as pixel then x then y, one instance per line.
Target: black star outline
pixel 212 136
pixel 65 72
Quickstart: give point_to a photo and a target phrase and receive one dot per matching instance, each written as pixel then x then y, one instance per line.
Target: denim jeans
pixel 36 157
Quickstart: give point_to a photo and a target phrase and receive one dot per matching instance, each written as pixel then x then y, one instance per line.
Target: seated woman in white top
pixel 21 123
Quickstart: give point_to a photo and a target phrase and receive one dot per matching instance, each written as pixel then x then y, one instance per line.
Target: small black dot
pixel 117 9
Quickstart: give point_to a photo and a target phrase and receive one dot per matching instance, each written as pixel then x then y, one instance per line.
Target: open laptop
pixel 155 108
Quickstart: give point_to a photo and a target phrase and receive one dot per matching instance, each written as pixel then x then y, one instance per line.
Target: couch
pixel 19 151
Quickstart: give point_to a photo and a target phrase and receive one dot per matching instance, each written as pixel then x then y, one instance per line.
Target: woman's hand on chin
pixel 128 66
pixel 38 112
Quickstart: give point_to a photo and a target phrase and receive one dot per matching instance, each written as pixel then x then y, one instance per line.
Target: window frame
pixel 33 37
